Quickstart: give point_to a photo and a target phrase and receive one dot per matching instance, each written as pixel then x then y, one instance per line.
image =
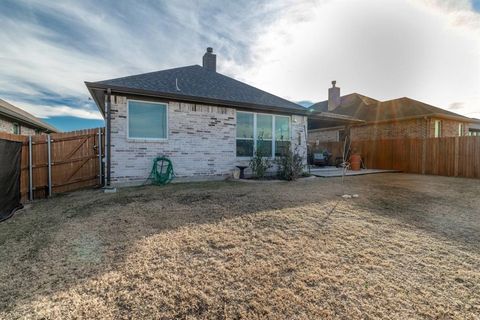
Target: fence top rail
pixel 13 137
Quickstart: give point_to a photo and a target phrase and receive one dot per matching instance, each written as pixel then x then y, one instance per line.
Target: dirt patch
pixel 408 247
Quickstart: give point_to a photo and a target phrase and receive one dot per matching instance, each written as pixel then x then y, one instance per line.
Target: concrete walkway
pixel 331 171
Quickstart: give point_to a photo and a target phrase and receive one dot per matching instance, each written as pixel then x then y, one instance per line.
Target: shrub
pixel 259 164
pixel 290 164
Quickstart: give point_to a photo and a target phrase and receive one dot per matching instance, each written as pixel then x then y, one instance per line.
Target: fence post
pixel 30 170
pixel 457 155
pixel 49 156
pixel 100 176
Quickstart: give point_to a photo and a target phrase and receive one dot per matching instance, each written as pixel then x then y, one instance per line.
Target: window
pixel 16 128
pixel 282 134
pixel 438 128
pixel 147 120
pixel 245 141
pixel 263 132
pixel 460 129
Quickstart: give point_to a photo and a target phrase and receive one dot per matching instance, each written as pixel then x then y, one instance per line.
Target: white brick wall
pixel 201 143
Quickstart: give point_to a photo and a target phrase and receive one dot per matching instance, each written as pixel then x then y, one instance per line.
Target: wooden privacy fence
pixel 60 162
pixel 450 156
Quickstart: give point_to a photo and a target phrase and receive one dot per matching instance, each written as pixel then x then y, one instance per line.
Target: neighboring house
pixel 397 118
pixel 17 121
pixel 474 129
pixel 205 122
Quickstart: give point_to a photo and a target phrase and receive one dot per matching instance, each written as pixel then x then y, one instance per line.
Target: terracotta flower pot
pixel 355 162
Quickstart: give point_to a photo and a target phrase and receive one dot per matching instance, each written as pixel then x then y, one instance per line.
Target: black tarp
pixel 10 157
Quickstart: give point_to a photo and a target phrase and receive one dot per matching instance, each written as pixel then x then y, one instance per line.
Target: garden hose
pixel 162 171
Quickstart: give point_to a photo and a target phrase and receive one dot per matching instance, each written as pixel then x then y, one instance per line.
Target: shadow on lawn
pixel 58 243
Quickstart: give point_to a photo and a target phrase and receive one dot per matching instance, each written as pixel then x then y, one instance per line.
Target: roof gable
pixel 198 82
pixel 20 115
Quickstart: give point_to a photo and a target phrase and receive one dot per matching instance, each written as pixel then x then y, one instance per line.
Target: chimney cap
pixel 210 49
pixel 334 82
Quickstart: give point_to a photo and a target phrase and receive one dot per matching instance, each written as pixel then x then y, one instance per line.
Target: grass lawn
pixel 408 247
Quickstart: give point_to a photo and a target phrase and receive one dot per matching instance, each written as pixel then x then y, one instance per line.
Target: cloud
pixel 54 46
pixel 456 106
pixel 425 49
pixel 57 110
pixel 383 49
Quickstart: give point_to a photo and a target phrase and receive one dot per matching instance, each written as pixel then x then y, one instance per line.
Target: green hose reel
pixel 162 171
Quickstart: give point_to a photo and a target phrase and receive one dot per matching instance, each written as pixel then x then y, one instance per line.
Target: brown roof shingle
pixel 371 110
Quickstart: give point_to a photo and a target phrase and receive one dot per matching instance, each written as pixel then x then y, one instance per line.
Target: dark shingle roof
pixel 197 82
pixel 17 114
pixel 368 109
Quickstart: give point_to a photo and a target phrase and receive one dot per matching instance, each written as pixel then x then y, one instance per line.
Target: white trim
pixel 147 139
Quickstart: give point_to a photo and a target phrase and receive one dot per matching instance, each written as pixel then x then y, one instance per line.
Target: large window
pixel 147 120
pixel 245 134
pixel 282 134
pixel 263 132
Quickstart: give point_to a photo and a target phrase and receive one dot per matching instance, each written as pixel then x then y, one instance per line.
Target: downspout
pixel 108 135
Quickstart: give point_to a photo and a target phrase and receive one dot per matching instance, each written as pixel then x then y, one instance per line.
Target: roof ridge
pixel 148 73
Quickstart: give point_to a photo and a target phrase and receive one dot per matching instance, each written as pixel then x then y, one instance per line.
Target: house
pixel 17 121
pixel 205 122
pixel 397 118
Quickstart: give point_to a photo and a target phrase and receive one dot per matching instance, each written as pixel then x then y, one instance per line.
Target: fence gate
pixel 60 162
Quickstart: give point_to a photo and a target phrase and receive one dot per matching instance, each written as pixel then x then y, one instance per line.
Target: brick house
pixel 205 122
pixel 397 118
pixel 17 121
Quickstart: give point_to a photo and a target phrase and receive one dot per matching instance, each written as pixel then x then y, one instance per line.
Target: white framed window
pixel 267 133
pixel 460 129
pixel 438 129
pixel 245 133
pixel 147 120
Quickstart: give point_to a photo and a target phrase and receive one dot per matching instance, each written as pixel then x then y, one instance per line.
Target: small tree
pixel 260 163
pixel 290 164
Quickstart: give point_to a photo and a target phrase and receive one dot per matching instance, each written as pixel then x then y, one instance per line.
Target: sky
pixel 427 50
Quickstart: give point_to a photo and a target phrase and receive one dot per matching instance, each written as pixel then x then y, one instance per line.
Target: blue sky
pixel 424 49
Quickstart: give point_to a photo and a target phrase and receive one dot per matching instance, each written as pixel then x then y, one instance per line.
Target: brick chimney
pixel 333 96
pixel 210 60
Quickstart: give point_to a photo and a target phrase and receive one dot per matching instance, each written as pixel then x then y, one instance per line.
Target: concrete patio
pixel 332 171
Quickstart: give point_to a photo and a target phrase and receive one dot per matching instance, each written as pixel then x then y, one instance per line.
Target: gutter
pixel 333 116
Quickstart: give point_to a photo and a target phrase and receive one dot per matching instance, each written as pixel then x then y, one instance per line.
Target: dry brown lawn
pixel 408 247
